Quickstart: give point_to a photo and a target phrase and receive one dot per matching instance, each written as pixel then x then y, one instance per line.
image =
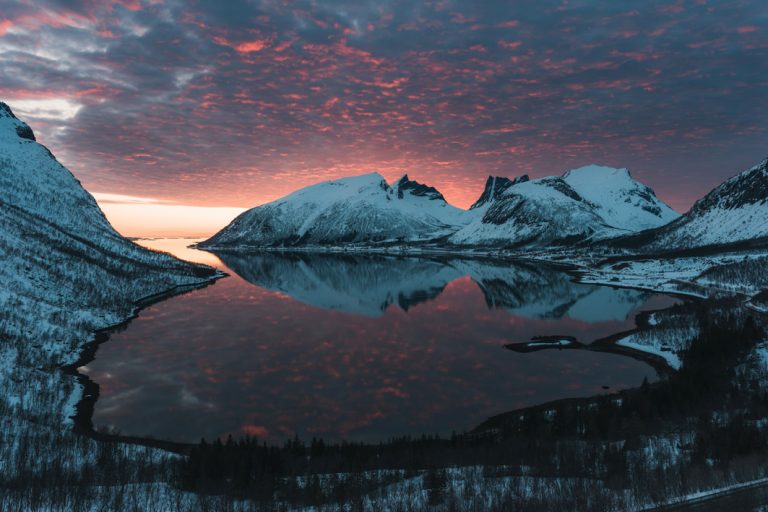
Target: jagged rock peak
pixel 417 189
pixel 495 186
pixel 21 128
pixel 5 111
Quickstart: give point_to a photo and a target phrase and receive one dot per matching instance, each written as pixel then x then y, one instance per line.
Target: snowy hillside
pixel 735 211
pixel 538 212
pixel 589 203
pixel 60 255
pixel 360 209
pixel 65 273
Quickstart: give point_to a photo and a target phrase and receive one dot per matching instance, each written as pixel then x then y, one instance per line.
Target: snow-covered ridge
pixel 589 203
pixel 10 123
pixel 621 202
pixel 735 211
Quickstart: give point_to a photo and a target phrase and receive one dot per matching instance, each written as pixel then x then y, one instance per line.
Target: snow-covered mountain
pixel 65 272
pixel 360 210
pixel 622 202
pixel 588 203
pixel 736 211
pixel 584 204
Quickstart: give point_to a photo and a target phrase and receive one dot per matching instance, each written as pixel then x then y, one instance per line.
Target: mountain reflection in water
pixel 368 285
pixel 357 347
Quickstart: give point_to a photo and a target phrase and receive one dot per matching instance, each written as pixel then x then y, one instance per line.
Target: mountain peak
pixel 8 119
pixel 5 110
pixel 353 210
pixel 621 201
pixel 495 186
pixel 415 188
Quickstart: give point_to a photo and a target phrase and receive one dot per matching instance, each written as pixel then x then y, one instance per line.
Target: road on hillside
pixel 749 499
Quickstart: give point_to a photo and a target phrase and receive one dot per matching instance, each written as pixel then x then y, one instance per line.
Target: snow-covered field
pixel 654 346
pixel 724 274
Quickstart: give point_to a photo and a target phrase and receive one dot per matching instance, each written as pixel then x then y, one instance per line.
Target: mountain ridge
pixel 591 202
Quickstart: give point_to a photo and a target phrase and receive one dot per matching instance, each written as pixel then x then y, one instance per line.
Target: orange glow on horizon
pixel 146 218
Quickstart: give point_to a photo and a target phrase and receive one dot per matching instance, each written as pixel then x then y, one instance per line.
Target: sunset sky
pixel 161 108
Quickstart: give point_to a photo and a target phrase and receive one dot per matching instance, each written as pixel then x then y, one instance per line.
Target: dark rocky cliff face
pixel 495 186
pixel 417 189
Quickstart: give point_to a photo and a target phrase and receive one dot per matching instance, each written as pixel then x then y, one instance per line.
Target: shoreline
pixel 83 418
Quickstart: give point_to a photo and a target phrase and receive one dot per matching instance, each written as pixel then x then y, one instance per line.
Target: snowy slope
pixel 65 273
pixel 589 203
pixel 540 212
pixel 735 211
pixel 43 201
pixel 360 209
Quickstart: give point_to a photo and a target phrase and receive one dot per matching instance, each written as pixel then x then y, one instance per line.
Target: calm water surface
pixel 361 347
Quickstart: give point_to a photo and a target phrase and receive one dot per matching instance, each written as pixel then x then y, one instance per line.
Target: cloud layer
pixel 235 103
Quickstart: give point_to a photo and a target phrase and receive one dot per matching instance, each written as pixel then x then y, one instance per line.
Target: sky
pixel 179 114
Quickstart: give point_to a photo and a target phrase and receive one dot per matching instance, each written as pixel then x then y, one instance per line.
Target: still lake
pixel 356 347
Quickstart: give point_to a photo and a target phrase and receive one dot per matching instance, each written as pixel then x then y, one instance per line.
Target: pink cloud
pixel 509 45
pixel 251 46
pixel 746 29
pixel 507 129
pixel 4 26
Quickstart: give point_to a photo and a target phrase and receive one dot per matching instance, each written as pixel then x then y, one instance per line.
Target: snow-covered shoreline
pixel 82 409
